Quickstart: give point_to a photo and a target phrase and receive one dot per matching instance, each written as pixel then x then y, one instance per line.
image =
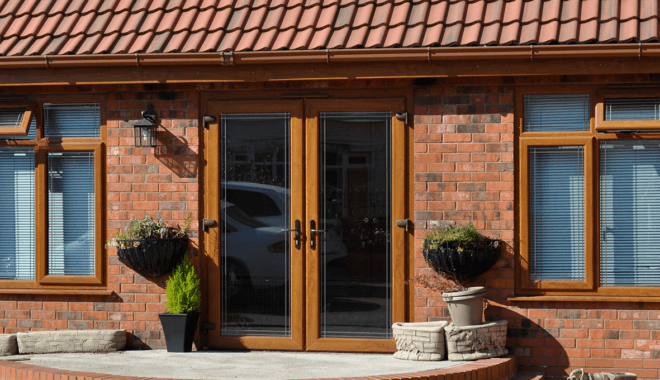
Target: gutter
pixel 328 56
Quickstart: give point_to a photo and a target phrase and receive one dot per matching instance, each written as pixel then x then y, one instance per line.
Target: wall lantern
pixel 146 130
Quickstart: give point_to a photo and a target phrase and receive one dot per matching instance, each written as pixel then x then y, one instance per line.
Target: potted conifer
pixel 183 299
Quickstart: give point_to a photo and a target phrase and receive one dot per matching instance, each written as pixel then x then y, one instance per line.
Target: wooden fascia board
pixel 328 65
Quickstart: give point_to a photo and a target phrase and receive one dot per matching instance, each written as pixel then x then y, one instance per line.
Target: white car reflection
pixel 256 249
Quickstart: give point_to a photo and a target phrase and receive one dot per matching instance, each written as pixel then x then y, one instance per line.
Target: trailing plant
pixel 451 233
pixel 182 289
pixel 443 283
pixel 149 228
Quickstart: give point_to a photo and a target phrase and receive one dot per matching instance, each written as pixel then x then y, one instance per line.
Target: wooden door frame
pixel 209 258
pixel 213 211
pixel 313 108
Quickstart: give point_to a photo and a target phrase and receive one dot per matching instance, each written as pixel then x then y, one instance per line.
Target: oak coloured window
pixel 589 215
pixel 52 194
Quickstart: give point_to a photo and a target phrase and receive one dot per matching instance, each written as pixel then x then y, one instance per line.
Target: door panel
pixel 260 278
pixel 353 294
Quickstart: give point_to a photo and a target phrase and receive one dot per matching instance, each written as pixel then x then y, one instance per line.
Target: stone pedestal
pixel 419 340
pixel 476 342
pixel 44 342
pixel 8 345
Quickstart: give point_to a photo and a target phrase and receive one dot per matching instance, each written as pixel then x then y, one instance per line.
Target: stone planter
pixel 476 342
pixel 419 340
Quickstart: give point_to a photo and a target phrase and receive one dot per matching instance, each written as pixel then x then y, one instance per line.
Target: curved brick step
pixel 486 369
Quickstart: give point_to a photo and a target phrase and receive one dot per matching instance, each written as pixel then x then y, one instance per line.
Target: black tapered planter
pixel 179 330
pixel 152 257
pixel 463 261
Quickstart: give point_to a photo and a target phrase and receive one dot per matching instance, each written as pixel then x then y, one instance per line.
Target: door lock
pixel 314 231
pixel 296 238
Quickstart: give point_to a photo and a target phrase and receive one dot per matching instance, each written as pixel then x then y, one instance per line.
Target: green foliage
pixel 149 228
pixel 182 289
pixel 466 233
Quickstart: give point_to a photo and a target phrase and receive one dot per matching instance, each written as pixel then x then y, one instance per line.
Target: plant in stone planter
pixel 457 255
pixel 183 299
pixel 150 247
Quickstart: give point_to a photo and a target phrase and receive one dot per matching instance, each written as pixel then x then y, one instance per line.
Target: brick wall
pixel 464 171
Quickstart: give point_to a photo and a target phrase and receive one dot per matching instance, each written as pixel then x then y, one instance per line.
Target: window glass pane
pixel 557 112
pixel 17 210
pixel 556 213
pixel 72 119
pixel 630 213
pixel 71 213
pixel 632 109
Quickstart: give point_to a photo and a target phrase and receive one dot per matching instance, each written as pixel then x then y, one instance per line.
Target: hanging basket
pixel 464 261
pixel 152 257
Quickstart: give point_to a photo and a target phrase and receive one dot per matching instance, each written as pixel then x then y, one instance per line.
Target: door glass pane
pixel 255 210
pixel 355 249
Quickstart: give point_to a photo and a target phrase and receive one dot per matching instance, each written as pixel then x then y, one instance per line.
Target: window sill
pixel 593 298
pixel 75 292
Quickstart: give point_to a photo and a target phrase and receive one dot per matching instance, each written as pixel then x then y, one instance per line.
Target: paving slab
pixel 235 365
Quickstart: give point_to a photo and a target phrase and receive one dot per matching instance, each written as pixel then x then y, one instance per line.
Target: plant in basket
pixel 457 255
pixel 150 247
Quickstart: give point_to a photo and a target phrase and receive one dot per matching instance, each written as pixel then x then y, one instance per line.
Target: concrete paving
pixel 235 365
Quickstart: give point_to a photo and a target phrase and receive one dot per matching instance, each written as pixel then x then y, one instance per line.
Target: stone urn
pixel 419 340
pixel 476 342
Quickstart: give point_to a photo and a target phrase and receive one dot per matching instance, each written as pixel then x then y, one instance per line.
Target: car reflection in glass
pixel 256 248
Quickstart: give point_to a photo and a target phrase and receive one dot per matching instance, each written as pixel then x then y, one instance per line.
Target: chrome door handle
pixel 296 238
pixel 314 231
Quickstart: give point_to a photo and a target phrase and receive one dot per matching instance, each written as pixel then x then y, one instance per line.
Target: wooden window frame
pixel 43 283
pixel 590 289
pixel 24 128
pixel 603 125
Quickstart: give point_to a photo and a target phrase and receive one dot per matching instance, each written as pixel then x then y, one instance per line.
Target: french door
pixel 306 254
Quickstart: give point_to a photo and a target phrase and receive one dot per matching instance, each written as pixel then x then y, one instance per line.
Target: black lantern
pixel 145 131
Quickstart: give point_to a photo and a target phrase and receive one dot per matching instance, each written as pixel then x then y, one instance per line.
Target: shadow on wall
pixel 175 153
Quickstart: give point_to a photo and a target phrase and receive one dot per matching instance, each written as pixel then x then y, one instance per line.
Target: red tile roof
pixel 72 27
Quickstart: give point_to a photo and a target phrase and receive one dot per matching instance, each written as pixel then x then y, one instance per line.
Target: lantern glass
pixel 145 134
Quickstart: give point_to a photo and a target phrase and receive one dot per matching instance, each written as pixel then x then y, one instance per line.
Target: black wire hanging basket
pixel 152 257
pixel 463 261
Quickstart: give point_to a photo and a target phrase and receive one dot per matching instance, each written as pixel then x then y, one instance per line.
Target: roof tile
pixel 33 27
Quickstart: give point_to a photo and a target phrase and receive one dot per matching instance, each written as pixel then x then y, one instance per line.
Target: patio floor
pixel 235 365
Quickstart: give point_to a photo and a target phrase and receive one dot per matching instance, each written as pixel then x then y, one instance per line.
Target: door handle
pixel 403 223
pixel 296 238
pixel 314 231
pixel 208 223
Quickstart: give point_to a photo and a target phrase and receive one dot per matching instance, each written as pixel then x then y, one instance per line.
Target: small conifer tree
pixel 182 289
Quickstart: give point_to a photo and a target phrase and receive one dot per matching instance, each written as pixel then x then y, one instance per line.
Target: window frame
pixel 525 289
pixel 24 128
pixel 43 283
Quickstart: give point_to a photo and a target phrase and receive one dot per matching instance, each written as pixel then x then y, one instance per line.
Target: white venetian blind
pixel 72 119
pixel 557 112
pixel 17 210
pixel 71 213
pixel 630 213
pixel 556 213
pixel 618 109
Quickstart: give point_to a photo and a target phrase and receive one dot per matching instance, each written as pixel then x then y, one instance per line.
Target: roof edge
pixel 329 56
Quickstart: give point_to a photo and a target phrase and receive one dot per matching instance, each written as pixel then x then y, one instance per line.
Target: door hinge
pixel 205 326
pixel 402 116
